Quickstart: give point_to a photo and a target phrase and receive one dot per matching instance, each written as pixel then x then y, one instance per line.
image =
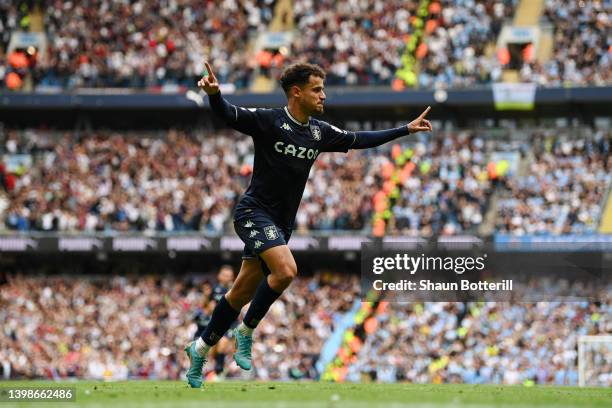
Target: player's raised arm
pixel 338 140
pixel 241 119
pixel 366 139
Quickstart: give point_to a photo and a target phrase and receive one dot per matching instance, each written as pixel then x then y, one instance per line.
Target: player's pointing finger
pixel 425 112
pixel 210 71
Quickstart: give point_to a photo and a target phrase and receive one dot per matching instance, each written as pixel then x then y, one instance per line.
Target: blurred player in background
pixel 287 142
pixel 202 317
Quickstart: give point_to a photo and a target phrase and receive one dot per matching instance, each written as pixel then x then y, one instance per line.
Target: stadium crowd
pixel 356 42
pixel 110 43
pixel 564 189
pixel 455 52
pixel 480 343
pixel 171 181
pixel 135 327
pixel 156 44
pixel 11 18
pixel 449 192
pixel 123 182
pixel 178 180
pixel 581 52
pixel 152 43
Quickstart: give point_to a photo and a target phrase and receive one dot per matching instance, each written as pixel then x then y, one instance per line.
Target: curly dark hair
pixel 299 74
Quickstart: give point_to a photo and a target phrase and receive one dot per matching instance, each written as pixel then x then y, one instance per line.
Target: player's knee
pixel 286 272
pixel 237 298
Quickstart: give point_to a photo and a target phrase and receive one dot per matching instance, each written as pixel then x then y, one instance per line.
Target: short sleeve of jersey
pixel 336 139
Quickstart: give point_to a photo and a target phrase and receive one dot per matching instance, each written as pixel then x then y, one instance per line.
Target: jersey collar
pixel 294 120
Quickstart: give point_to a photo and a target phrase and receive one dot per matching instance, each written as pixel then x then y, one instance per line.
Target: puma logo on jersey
pixel 286 127
pixel 253 233
pixel 249 224
pixel 296 151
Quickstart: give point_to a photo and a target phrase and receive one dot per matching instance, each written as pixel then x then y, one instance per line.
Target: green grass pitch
pixel 314 394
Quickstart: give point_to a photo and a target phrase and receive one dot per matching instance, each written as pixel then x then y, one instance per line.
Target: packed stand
pixel 125 182
pixel 356 42
pixel 12 15
pixel 173 181
pixel 563 190
pixel 158 181
pixel 131 327
pixel 480 343
pixel 148 44
pixel 163 44
pixel 582 53
pixel 15 66
pixel 455 46
pixel 448 191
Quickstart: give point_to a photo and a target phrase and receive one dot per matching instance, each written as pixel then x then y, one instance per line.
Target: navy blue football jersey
pixel 285 150
pixel 218 292
pixel 201 319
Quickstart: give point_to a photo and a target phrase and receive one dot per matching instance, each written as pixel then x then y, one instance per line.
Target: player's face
pixel 312 95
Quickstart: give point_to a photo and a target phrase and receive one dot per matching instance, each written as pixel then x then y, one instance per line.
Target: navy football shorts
pixel 258 232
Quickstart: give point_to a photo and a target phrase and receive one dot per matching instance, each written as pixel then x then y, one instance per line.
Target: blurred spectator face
pixel 225 275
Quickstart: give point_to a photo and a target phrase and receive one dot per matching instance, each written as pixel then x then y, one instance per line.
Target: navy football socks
pixel 222 318
pixel 263 299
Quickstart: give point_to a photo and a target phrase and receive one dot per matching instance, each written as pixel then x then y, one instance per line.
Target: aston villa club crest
pixel 316 132
pixel 271 232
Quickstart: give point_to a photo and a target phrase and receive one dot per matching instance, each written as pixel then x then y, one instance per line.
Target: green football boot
pixel 242 357
pixel 194 375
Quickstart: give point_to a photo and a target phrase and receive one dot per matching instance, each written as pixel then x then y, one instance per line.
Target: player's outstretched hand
pixel 209 83
pixel 420 124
